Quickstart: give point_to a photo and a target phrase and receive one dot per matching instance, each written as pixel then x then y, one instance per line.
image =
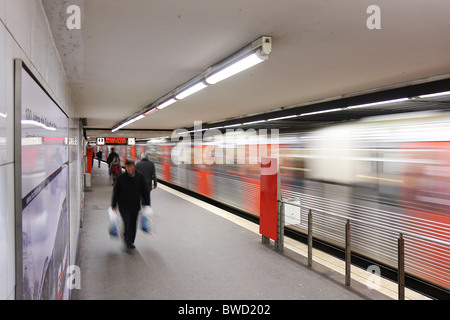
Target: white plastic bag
pixel 115 223
pixel 146 221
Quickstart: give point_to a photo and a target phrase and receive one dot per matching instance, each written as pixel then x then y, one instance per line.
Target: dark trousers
pixel 130 226
pixel 149 199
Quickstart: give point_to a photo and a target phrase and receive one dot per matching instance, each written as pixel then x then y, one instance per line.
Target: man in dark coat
pixel 99 156
pixel 128 190
pixel 147 169
pixel 111 157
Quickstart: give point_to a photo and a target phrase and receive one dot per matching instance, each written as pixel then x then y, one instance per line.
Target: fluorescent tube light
pixel 248 56
pixel 377 103
pixel 233 125
pixel 191 90
pixel 282 118
pixel 166 104
pixel 253 122
pixel 237 67
pixel 150 112
pixel 433 95
pixel 139 117
pixel 319 112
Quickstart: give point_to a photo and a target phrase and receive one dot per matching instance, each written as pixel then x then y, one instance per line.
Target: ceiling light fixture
pixel 149 112
pixel 319 112
pixel 433 95
pixel 166 104
pixel 253 122
pixel 366 105
pixel 139 117
pixel 233 125
pixel 191 90
pixel 238 66
pixel 282 118
pixel 249 56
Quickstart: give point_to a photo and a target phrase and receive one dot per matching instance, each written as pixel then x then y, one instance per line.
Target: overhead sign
pixel 116 141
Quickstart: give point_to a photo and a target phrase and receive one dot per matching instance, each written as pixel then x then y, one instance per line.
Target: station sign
pixel 116 141
pixel 100 141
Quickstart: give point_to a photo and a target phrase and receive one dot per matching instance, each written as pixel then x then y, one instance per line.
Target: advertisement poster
pixel 45 179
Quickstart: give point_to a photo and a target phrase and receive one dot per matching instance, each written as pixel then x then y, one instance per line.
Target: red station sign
pixel 116 141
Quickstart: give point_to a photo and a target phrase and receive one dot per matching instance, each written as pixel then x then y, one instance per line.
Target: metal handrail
pixel 400 248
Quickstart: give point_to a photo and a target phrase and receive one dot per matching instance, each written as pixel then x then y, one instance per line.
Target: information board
pixel 45 192
pixel 116 141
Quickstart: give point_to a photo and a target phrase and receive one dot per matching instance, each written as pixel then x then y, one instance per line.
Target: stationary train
pixel 394 169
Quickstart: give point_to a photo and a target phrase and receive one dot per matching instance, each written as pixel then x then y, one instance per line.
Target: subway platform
pixel 199 252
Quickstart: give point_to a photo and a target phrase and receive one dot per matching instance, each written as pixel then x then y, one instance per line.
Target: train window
pixel 390 162
pixel 427 176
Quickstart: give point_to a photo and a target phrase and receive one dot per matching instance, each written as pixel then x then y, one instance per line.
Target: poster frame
pixel 18 64
pixel 19 68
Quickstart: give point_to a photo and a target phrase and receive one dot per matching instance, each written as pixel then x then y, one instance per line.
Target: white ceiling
pixel 129 53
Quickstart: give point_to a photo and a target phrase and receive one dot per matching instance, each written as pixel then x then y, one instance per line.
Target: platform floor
pixel 196 254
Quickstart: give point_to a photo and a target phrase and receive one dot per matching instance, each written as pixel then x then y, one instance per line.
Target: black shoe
pixel 131 246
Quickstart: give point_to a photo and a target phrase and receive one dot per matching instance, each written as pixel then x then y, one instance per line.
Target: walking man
pixel 127 193
pixel 147 169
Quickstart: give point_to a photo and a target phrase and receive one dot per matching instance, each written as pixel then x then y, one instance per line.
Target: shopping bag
pixel 115 224
pixel 146 220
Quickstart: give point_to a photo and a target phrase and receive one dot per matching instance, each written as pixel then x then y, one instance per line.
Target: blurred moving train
pixel 396 168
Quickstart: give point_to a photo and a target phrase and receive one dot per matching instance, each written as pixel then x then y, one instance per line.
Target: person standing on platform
pixel 99 157
pixel 115 169
pixel 147 169
pixel 127 193
pixel 111 157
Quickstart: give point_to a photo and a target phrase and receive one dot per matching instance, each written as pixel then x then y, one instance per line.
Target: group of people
pixel 131 190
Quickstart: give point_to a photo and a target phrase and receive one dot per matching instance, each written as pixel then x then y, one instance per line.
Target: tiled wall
pixel 25 34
